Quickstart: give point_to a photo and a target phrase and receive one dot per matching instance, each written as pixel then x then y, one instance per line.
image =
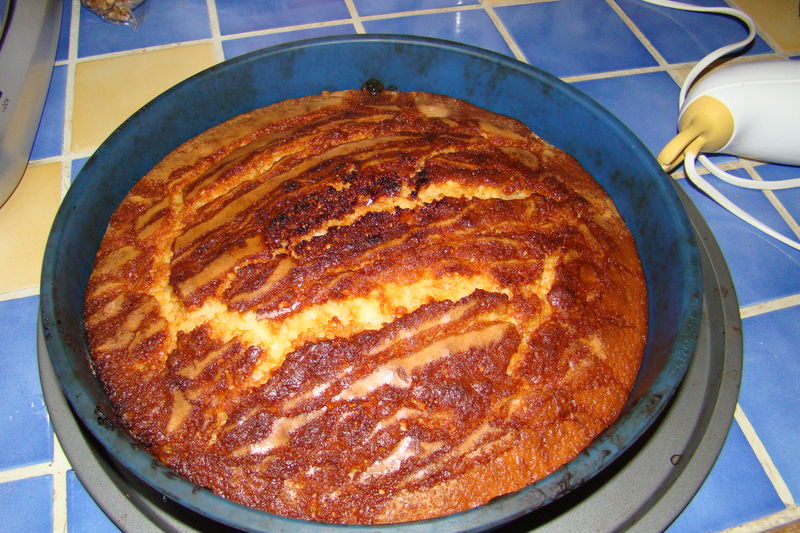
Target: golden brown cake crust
pixel 366 308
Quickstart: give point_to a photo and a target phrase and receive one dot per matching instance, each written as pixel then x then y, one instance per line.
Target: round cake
pixel 367 307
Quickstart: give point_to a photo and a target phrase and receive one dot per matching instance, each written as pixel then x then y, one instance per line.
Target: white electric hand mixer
pixel 750 110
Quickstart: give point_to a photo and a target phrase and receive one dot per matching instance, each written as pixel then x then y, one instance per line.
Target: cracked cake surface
pixel 366 307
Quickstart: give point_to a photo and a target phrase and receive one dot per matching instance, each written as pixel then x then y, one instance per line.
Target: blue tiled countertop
pixel 627 55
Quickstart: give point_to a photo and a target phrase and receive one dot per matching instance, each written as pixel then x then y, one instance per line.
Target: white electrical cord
pixel 721 199
pixel 719 52
pixel 690 157
pixel 746 183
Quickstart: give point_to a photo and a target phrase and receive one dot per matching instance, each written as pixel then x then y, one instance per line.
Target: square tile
pixel 762 268
pixel 371 7
pixel 682 36
pixel 736 491
pixel 25 435
pixel 62 50
pixel 777 18
pixel 100 106
pixel 159 22
pixel 770 395
pixel 239 16
pixel 653 118
pixel 26 505
pixel 25 222
pixel 50 135
pixel 574 37
pixel 237 47
pixel 471 27
pixel 83 514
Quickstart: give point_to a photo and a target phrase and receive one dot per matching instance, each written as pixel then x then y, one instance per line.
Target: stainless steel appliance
pixel 27 51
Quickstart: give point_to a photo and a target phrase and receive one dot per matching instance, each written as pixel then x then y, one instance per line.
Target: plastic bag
pixel 116 11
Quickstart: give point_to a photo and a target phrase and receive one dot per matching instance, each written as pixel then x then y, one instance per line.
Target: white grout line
pixel 60 467
pixel 19 293
pixel 506 3
pixel 769 523
pixel 507 37
pixel 216 39
pixel 287 29
pixel 357 24
pixel 143 50
pixel 672 69
pixel 617 73
pixel 417 12
pixel 24 472
pixel 69 94
pixel 763 457
pixel 773 305
pixel 783 212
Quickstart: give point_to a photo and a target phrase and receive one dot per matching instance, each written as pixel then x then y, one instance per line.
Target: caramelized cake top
pixel 366 307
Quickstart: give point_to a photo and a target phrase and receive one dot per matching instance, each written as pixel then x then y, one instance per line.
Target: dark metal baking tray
pixel 644 490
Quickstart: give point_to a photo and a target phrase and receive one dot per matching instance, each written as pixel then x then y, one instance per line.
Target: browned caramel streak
pixel 196 248
pixel 183 278
pixel 442 350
